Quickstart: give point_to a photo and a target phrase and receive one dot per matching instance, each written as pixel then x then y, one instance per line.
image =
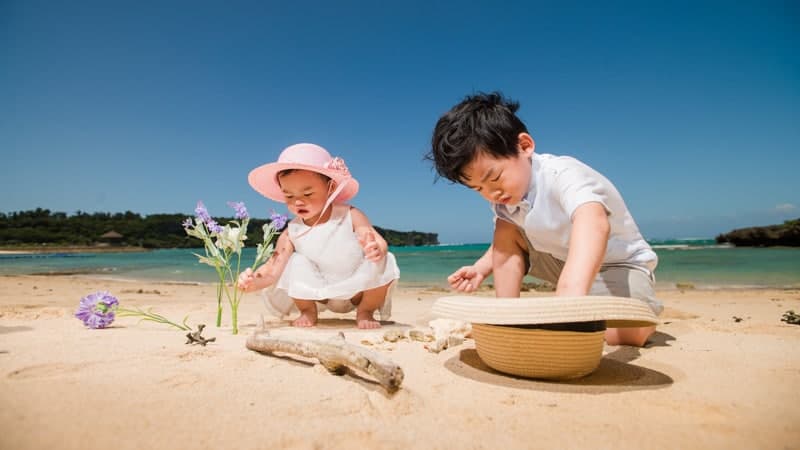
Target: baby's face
pixel 499 180
pixel 305 193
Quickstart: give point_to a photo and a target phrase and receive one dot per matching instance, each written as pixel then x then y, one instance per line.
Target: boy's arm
pixel 587 247
pixel 270 271
pixel 484 263
pixel 469 278
pixel 373 244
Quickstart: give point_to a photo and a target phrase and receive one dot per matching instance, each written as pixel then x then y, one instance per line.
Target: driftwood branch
pixel 335 355
pixel 195 337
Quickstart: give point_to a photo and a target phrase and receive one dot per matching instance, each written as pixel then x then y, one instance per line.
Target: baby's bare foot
pixel 364 320
pixel 305 320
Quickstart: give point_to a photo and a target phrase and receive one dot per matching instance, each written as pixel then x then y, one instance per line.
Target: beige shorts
pixel 617 279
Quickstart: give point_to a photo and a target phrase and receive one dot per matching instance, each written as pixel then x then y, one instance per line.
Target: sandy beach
pixel 722 372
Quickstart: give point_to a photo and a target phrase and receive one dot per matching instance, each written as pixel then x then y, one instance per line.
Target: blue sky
pixel 690 108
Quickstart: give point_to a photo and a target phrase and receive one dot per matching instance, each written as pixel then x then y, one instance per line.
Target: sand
pixel 706 380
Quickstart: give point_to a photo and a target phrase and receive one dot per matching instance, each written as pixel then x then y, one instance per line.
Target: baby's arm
pixel 587 247
pixel 270 271
pixel 373 244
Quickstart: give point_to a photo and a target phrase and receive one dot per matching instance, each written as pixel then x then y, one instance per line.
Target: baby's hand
pixel 246 280
pixel 465 279
pixel 372 250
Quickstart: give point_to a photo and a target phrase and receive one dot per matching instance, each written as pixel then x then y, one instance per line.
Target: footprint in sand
pixel 45 371
pixel 676 314
pixel 185 379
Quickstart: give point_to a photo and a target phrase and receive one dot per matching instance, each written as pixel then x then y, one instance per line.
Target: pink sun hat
pixel 264 179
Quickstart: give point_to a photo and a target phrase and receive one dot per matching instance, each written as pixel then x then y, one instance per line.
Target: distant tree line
pixel 787 234
pixel 408 238
pixel 41 226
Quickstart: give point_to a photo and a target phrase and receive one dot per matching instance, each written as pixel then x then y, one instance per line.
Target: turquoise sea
pixel 697 261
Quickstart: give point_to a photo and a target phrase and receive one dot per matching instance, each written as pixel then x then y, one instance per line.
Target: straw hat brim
pixel 618 312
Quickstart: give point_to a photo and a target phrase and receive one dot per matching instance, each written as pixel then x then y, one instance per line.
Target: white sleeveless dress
pixel 328 264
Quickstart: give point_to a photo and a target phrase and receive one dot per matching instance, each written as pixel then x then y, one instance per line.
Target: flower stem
pixel 219 297
pixel 152 317
pixel 235 303
pixel 235 320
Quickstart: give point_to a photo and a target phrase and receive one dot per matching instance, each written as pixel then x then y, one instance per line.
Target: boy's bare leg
pixel 370 300
pixel 308 313
pixel 629 336
pixel 509 259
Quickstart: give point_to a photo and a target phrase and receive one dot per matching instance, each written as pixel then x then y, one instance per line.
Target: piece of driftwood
pixel 335 355
pixel 195 337
pixel 791 317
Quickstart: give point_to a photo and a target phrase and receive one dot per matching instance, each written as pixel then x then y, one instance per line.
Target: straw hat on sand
pixel 544 337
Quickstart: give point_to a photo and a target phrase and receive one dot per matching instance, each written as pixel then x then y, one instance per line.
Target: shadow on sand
pixel 614 374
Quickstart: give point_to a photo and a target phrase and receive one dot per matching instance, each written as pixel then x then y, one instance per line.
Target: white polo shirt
pixel 559 185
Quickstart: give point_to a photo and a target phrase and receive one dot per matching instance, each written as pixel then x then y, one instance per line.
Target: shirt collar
pixel 525 203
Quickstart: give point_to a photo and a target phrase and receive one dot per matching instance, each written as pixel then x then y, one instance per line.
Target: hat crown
pixel 306 154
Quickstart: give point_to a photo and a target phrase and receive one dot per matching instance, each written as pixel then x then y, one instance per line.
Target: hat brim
pixel 618 312
pixel 264 179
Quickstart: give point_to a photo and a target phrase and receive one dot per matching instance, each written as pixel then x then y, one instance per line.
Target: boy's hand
pixel 372 249
pixel 466 279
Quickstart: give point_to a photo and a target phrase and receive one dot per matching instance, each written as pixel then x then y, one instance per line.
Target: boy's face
pixel 503 180
pixel 305 193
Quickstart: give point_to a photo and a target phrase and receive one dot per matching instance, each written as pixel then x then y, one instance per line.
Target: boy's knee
pixel 636 337
pixel 510 247
pixel 509 239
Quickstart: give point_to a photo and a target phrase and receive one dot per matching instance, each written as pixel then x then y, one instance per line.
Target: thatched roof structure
pixel 111 235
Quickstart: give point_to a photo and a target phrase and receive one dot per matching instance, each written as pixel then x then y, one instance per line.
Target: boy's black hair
pixel 480 123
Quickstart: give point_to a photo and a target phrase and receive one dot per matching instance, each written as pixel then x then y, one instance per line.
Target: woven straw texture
pixel 618 312
pixel 531 353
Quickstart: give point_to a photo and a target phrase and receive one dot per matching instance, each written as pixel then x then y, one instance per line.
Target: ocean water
pixel 698 262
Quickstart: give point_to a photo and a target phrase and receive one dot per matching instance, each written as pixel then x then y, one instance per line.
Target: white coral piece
pixel 448 333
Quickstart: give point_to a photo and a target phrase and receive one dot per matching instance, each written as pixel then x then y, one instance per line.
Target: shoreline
pixel 37 250
pixel 420 267
pixel 441 286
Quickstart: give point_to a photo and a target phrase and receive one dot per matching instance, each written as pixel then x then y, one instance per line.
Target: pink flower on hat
pixel 338 165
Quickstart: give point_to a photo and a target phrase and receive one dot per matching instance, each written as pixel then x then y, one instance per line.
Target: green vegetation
pixel 787 234
pixel 407 238
pixel 41 227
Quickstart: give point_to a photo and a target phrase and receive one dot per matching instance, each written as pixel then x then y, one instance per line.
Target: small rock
pixel 420 336
pixel 791 317
pixel 436 346
pixel 453 341
pixel 393 335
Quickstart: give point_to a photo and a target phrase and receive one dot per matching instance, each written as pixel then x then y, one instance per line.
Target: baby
pixel 330 256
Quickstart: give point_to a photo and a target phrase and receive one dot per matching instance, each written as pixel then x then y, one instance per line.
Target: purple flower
pixel 213 226
pixel 202 212
pixel 241 211
pixel 278 221
pixel 188 223
pixel 97 310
